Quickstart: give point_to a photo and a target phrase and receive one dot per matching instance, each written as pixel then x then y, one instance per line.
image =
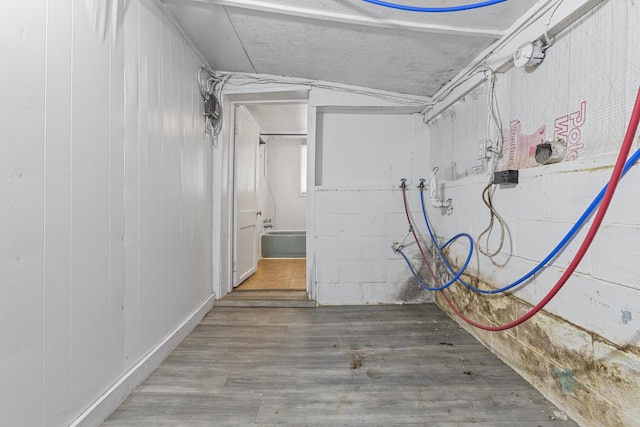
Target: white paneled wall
pixel 105 244
pixel 283 171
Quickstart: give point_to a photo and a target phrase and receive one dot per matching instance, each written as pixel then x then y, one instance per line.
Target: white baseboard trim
pixel 116 394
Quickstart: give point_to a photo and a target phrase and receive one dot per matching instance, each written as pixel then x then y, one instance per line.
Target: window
pixel 302 160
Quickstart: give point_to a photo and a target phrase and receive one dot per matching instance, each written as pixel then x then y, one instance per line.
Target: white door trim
pixel 224 211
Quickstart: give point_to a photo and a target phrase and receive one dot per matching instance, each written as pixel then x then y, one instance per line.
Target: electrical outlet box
pixel 482 149
pixel 211 107
pixel 505 177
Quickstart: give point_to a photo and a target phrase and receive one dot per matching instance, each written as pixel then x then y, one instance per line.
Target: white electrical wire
pixel 487 198
pixel 493 120
pixel 211 85
pixel 493 116
pixel 548 42
pixel 481 63
pixel 241 79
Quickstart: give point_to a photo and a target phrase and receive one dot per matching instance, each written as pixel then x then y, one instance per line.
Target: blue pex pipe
pixel 435 9
pixel 565 240
pixel 415 275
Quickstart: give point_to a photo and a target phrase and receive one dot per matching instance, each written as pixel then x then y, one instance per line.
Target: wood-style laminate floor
pixel 333 366
pixel 278 274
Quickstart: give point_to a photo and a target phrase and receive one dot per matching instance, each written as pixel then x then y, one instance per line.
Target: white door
pixel 247 139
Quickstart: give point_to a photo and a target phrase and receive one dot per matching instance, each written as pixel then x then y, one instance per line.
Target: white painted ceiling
pixel 342 41
pixel 345 41
pixel 280 119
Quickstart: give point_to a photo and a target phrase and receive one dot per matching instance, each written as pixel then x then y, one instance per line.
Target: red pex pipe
pixel 415 236
pixel 602 210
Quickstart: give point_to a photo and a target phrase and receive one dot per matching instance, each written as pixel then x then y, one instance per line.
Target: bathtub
pixel 284 244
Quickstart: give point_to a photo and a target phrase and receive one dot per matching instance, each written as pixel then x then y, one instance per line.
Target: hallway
pixel 347 365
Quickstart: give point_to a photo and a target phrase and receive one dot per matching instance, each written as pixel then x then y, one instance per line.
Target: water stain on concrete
pixel 573 365
pixel 626 317
pixel 567 380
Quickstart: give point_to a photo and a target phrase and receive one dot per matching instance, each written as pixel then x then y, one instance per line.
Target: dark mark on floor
pixel 357 357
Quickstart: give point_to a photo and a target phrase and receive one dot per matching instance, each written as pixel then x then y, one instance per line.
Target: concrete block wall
pixel 359 210
pixel 355 264
pixel 583 350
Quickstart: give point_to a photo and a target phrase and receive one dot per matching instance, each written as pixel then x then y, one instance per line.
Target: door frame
pixel 224 198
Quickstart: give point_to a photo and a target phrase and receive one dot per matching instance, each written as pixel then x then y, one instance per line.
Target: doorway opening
pixel 270 186
pixel 277 274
